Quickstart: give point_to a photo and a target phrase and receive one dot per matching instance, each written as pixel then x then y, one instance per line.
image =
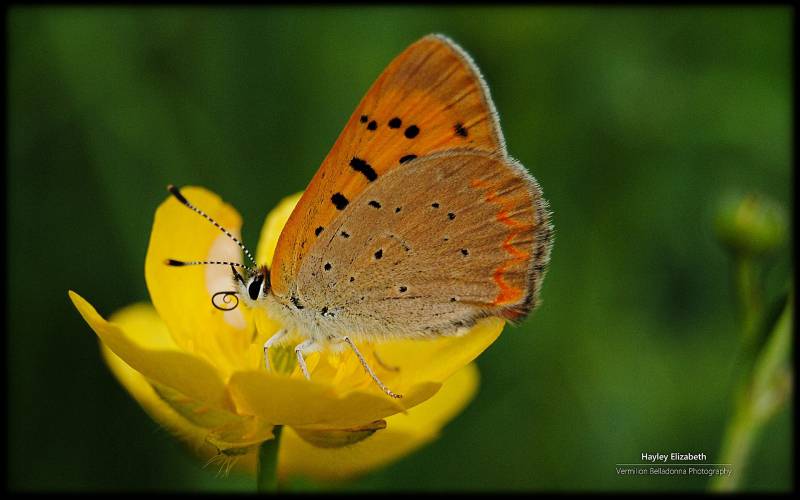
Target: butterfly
pixel 417 224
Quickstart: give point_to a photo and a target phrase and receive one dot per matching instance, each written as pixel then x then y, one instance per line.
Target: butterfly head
pixel 254 285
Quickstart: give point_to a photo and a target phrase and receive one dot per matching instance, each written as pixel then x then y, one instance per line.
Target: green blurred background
pixel 634 120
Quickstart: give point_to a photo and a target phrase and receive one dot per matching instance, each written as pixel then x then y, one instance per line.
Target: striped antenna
pixel 177 194
pixel 180 263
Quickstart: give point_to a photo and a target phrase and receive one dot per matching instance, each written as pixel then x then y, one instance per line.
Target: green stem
pixel 749 297
pixel 763 392
pixel 739 437
pixel 267 469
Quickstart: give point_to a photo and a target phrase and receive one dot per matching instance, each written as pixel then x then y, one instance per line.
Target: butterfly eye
pixel 254 288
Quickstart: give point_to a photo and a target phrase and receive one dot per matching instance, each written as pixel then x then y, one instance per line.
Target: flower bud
pixel 750 225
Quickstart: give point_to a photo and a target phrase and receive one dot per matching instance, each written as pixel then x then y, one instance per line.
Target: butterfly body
pixel 417 223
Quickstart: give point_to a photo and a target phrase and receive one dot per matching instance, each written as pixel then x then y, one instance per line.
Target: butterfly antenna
pixel 180 263
pixel 174 191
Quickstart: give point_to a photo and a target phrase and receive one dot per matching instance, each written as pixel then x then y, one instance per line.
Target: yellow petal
pixel 280 399
pixel 138 386
pixel 437 359
pixel 273 225
pixel 336 438
pixel 182 295
pixel 402 364
pixel 144 394
pixel 429 417
pixel 190 375
pixel 403 434
pixel 189 420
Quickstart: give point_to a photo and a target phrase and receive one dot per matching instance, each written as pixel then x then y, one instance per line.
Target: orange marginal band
pixel 508 293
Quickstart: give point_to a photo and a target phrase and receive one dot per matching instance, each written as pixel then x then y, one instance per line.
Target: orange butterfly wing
pixel 430 98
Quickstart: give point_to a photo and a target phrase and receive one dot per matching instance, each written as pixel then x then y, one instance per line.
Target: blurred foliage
pixel 749 227
pixel 634 120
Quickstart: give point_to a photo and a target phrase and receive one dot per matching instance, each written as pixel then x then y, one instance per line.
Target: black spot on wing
pixel 318 230
pixel 412 131
pixel 460 130
pixel 372 125
pixel 327 266
pixel 364 118
pixel 374 204
pixel 451 215
pixel 339 201
pixel 407 158
pixel 365 168
pixel 379 253
pixel 395 122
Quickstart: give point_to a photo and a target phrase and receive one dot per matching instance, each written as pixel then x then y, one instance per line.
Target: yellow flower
pixel 199 371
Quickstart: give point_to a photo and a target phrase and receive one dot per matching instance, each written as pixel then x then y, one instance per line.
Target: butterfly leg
pixel 269 343
pixel 369 370
pixel 308 346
